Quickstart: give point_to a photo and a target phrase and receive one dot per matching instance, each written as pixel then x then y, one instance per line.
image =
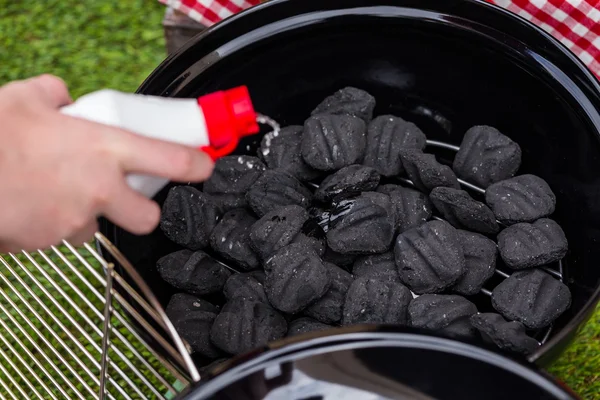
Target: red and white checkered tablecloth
pixel 576 23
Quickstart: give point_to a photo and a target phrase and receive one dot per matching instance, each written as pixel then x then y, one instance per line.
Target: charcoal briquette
pixel 283 151
pixel 388 188
pixel 348 101
pixel 426 172
pixel 188 217
pixel 460 328
pixel 193 318
pixel 304 325
pixel 526 245
pixel 486 156
pixel 248 286
pixel 348 180
pixel 276 189
pixel 320 215
pixel 480 262
pixel 318 244
pixel 381 266
pixel 342 260
pixel 364 225
pixel 329 308
pixel 524 198
pixel 295 278
pixel 277 229
pixel 430 257
pixel 231 178
pixel 506 335
pixel 412 208
pixel 331 142
pixel 193 272
pixel 462 211
pixel 447 313
pixel 386 136
pixel 371 300
pixel 231 239
pixel 532 297
pixel 243 325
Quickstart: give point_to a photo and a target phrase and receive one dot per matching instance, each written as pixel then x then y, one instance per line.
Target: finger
pixel 143 155
pixel 84 235
pixel 53 88
pixel 11 247
pixel 132 211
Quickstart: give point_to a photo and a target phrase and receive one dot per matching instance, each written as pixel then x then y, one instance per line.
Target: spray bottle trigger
pixel 216 153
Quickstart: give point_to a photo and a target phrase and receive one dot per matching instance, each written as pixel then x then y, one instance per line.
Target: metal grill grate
pixel 67 332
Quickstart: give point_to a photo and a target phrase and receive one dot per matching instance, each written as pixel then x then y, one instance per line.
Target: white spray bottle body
pixel 170 119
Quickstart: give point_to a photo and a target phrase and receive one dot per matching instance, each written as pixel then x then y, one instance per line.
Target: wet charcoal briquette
pixel 329 308
pixel 532 297
pixel 375 301
pixel 426 172
pixel 524 198
pixel 486 156
pixel 331 142
pixel 506 335
pixel 430 257
pixel 188 217
pixel 193 272
pixel 448 313
pixel 193 319
pixel 382 266
pixel 276 189
pixel 480 262
pixel 231 179
pixel 386 136
pixel 244 325
pixel 304 325
pixel 348 101
pixel 231 239
pixel 284 152
pixel 248 286
pixel 525 245
pixel 277 229
pixel 462 211
pixel 295 278
pixel 349 180
pixel 320 216
pixel 412 208
pixel 363 225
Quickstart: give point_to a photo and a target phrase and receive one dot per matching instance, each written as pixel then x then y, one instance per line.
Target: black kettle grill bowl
pixel 367 360
pixel 446 66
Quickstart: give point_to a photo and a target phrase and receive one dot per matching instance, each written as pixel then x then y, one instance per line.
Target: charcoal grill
pixel 454 64
pixel 444 65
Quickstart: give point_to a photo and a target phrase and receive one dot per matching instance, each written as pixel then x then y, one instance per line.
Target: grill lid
pixel 377 363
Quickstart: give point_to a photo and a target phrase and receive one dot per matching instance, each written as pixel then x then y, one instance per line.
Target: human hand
pixel 59 173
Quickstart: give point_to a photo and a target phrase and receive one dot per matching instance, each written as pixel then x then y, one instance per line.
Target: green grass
pixel 95 44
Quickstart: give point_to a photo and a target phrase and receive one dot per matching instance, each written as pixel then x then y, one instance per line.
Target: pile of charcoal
pixel 346 220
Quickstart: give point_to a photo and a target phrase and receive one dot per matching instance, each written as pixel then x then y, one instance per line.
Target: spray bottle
pixel 213 123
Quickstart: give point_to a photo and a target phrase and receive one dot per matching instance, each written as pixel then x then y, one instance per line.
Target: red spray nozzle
pixel 229 116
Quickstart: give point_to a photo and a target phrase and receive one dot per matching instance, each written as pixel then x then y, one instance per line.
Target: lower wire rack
pixel 67 332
